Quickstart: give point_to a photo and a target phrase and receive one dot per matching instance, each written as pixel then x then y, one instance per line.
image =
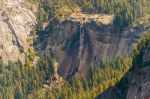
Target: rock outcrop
pixel 134 85
pixel 83 40
pixel 55 80
pixel 16 22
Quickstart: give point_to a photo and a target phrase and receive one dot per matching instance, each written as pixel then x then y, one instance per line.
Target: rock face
pixel 139 87
pixel 78 42
pixel 16 22
pixel 146 57
pixel 134 85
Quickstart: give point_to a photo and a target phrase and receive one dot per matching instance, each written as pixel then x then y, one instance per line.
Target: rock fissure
pixel 10 26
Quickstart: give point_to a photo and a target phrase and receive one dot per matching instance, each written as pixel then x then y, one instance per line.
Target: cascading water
pixel 81 45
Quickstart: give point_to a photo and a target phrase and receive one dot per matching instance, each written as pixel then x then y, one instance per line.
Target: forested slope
pixel 126 11
pixel 25 81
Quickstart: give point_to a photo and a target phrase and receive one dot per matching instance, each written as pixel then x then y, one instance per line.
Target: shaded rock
pixel 134 85
pixel 146 57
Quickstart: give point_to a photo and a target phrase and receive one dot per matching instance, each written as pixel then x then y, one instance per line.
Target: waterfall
pixel 81 43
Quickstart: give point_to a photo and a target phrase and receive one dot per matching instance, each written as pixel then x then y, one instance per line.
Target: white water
pixel 81 46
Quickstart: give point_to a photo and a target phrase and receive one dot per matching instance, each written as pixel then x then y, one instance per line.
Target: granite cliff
pixel 82 40
pixel 76 42
pixel 16 21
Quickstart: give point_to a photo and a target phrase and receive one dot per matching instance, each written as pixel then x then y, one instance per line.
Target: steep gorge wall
pixel 78 43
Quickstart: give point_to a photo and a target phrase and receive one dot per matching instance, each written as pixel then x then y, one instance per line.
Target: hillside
pixel 74 49
pixel 135 83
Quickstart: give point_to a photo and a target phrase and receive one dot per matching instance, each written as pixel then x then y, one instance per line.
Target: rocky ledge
pixel 88 18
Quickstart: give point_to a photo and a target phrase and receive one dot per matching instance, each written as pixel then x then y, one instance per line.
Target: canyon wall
pixel 76 42
pixel 84 40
